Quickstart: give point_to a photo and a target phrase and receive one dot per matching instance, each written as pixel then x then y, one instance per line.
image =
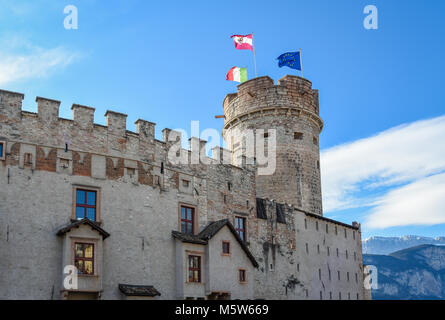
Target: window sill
pixel 96 222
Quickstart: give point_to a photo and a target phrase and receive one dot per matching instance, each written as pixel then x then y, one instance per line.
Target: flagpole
pixel 254 55
pixel 301 62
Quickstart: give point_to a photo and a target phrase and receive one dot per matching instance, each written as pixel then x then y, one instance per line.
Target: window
pixel 226 248
pixel 28 158
pixel 84 258
pixel 305 223
pixel 266 135
pixel 338 272
pixel 131 172
pixel 187 220
pixel 356 278
pixel 319 274
pixel 86 204
pixel 337 252
pixel 298 267
pixel 318 248
pixel 321 295
pixel 347 254
pixel 194 269
pixel 316 225
pixel 298 136
pixel 240 227
pixel 327 228
pixel 2 150
pixel 347 274
pixel 329 251
pixel 229 186
pixel 185 183
pixel 329 273
pixel 314 139
pixel 242 275
pixel 307 248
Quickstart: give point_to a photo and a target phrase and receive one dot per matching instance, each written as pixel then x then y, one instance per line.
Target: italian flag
pixel 237 74
pixel 243 42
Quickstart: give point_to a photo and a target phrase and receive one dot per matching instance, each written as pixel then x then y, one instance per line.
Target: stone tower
pixel 291 108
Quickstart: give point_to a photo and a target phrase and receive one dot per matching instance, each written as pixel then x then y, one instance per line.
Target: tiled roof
pixel 138 290
pixel 209 231
pixel 78 223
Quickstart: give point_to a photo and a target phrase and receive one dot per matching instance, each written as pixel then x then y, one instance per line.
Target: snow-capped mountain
pixel 416 273
pixel 386 245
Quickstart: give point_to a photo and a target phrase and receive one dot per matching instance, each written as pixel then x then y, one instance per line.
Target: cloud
pixel 419 203
pixel 20 60
pixel 379 171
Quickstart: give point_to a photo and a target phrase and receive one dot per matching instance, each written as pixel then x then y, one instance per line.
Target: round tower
pixel 291 108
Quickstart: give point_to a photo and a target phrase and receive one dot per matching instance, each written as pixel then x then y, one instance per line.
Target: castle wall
pixel 140 194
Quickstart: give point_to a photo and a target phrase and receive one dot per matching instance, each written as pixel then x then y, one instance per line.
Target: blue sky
pixel 166 62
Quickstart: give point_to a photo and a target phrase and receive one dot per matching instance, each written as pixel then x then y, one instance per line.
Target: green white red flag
pixel 237 74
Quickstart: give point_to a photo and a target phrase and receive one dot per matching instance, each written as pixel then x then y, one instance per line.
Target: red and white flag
pixel 243 42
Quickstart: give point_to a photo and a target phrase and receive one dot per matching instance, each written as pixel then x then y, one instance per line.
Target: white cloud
pixel 20 60
pixel 419 203
pixel 358 174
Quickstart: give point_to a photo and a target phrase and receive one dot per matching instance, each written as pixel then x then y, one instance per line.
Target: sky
pixel 381 91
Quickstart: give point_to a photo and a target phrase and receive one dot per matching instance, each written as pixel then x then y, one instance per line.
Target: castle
pixel 137 225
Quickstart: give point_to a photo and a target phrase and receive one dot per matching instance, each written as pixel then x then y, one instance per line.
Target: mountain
pixel 416 273
pixel 386 245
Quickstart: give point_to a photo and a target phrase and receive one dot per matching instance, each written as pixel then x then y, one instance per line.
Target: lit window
pixel 84 258
pixel 187 220
pixel 85 204
pixel 242 275
pixel 240 227
pixel 226 247
pixel 194 269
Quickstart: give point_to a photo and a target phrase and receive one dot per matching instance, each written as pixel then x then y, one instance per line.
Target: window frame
pixel 3 153
pixel 199 269
pixel 194 220
pixel 223 242
pixel 88 189
pixel 244 272
pixel 244 229
pixel 93 259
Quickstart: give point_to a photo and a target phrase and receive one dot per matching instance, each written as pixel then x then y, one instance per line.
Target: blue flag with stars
pixel 290 59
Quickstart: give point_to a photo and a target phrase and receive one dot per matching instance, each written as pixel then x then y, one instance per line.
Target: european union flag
pixel 290 59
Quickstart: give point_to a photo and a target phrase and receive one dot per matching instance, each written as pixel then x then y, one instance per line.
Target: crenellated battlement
pixel 80 135
pixel 292 94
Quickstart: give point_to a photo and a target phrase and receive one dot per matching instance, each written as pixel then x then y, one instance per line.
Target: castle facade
pixel 99 212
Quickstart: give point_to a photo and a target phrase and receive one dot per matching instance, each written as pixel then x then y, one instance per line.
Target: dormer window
pixel 84 258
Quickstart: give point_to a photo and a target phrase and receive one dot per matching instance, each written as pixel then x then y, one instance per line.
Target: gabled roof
pixel 78 223
pixel 209 231
pixel 134 290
